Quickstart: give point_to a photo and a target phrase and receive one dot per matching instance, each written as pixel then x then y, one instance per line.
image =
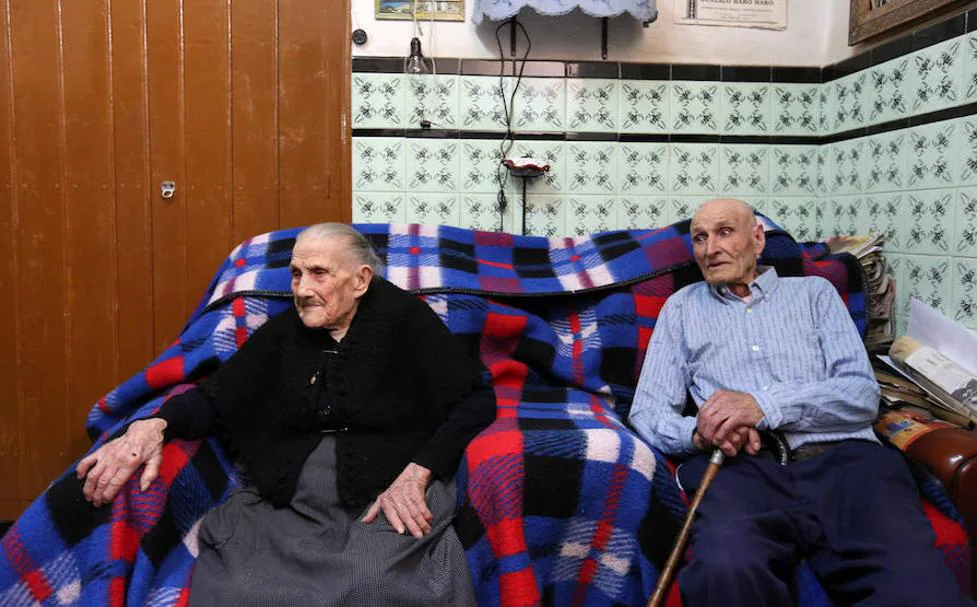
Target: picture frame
pixel 871 18
pixel 403 10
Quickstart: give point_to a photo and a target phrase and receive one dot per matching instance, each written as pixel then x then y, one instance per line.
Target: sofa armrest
pixel 950 454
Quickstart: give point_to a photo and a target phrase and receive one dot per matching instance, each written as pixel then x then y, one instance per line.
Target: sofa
pixel 560 503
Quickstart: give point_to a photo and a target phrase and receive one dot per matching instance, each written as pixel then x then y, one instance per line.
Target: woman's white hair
pixel 359 245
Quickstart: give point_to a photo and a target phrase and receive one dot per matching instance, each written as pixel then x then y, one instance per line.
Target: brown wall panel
pixel 41 285
pixel 10 443
pixel 313 94
pixel 209 211
pixel 167 130
pixel 254 82
pixel 130 106
pixel 89 210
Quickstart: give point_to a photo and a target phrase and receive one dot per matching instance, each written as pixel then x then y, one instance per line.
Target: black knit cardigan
pixel 404 387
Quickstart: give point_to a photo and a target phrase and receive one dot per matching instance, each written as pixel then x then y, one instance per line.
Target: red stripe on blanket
pixel 518 589
pixel 32 576
pixel 240 317
pixel 948 532
pixel 578 370
pixel 495 264
pixel 165 373
pixel 603 533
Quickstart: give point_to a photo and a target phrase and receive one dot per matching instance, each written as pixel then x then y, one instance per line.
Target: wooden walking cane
pixel 665 579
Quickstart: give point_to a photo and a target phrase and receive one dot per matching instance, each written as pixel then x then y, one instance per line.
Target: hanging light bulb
pixel 414 63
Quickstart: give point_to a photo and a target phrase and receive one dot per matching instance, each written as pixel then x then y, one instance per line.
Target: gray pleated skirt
pixel 315 552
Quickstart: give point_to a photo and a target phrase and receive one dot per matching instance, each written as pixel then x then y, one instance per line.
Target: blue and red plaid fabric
pixel 560 503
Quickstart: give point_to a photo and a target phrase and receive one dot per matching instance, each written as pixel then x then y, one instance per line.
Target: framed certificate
pixel 439 10
pixel 870 18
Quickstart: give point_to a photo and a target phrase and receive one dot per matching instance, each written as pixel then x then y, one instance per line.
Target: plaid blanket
pixel 560 503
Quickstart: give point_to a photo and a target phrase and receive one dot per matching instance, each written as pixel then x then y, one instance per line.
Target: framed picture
pixel 439 10
pixel 871 18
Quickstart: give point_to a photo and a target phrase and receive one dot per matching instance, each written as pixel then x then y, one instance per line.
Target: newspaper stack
pixel 938 375
pixel 880 289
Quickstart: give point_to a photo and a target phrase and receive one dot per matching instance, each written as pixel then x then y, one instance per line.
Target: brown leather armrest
pixel 948 454
pixel 951 456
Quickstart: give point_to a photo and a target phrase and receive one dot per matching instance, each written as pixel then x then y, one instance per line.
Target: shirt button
pixel 755 348
pixel 765 388
pixel 749 310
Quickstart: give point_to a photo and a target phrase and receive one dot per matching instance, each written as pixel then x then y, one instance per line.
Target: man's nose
pixel 712 246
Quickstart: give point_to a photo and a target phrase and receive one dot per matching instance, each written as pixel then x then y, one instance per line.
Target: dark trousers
pixel 852 512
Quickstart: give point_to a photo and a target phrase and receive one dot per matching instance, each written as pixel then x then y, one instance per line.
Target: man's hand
pixel 114 462
pixel 743 438
pixel 403 502
pixel 724 412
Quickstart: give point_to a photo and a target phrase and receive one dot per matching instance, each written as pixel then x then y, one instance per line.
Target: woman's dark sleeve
pixel 199 411
pixel 447 369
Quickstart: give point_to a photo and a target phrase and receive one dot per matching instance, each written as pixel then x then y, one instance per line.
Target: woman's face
pixel 327 282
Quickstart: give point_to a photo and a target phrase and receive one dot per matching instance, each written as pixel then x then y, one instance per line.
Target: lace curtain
pixel 498 10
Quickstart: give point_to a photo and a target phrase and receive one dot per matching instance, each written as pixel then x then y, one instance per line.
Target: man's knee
pixel 734 551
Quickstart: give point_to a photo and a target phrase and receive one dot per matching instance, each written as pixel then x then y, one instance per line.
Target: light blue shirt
pixel 793 346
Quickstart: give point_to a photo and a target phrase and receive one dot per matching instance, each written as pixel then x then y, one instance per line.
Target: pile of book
pixel 920 377
pixel 880 289
pixel 903 394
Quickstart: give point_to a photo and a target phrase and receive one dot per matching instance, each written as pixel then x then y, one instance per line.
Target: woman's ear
pixel 362 280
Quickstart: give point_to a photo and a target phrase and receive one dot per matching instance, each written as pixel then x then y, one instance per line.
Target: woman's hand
pixel 403 502
pixel 114 462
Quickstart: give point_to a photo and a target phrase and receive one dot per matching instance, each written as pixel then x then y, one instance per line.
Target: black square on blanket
pixel 456 255
pixel 614 244
pixel 552 485
pixel 532 263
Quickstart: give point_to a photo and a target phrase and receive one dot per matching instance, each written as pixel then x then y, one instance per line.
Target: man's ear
pixel 760 237
pixel 362 280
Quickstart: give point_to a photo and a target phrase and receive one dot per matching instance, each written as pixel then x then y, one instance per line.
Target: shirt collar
pixel 764 284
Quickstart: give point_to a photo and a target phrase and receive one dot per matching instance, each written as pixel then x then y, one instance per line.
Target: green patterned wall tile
pixel 644 106
pixel 695 107
pixel 933 79
pixel 929 222
pixel 433 98
pixel 744 170
pixel 965 223
pixel 592 105
pixel 540 105
pixel 590 214
pixel 745 109
pixel 377 101
pixel 963 305
pixel 642 212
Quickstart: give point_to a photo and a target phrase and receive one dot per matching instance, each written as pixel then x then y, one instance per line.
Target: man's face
pixel 326 282
pixel 726 242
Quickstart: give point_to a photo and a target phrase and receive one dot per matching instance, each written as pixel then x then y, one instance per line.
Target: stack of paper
pixel 939 358
pixel 879 288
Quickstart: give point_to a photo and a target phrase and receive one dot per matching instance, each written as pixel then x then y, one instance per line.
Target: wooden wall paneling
pixel 167 129
pixel 209 190
pixel 133 191
pixel 314 67
pixel 10 441
pixel 90 213
pixel 254 85
pixel 41 285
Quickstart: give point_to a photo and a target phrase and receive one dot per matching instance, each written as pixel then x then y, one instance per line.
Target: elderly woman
pixel 348 415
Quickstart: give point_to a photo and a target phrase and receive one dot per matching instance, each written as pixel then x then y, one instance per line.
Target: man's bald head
pixel 733 207
pixel 726 241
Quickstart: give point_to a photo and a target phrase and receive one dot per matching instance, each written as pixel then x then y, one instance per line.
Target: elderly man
pixel 760 352
pixel 355 403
